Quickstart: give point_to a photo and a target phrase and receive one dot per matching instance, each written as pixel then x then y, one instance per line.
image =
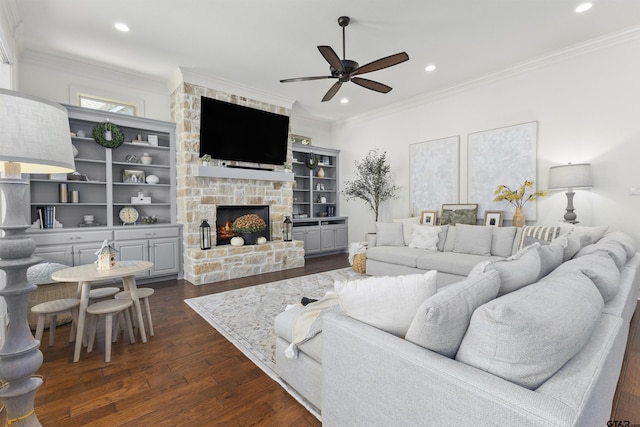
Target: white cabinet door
pixel 165 256
pixel 86 253
pixel 133 250
pixel 61 254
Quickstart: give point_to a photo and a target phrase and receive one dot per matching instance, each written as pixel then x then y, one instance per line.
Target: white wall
pixel 586 105
pixel 58 79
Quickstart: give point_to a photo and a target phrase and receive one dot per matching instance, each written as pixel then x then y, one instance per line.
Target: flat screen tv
pixel 235 132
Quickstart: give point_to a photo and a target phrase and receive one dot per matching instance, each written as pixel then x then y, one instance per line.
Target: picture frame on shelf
pixel 428 217
pixel 453 214
pixel 133 176
pixel 299 139
pixel 493 218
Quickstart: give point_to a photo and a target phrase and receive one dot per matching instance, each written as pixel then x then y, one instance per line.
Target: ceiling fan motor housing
pixel 348 65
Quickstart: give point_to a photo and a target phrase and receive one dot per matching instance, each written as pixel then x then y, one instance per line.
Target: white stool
pixel 102 293
pixel 143 294
pixel 51 309
pixel 108 308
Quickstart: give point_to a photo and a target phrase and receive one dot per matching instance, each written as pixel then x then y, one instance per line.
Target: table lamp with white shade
pixel 569 177
pixel 34 138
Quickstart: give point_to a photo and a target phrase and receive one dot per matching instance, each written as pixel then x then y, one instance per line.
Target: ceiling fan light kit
pixel 346 70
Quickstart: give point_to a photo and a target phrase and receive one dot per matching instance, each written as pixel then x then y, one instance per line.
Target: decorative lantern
pixel 205 235
pixel 287 229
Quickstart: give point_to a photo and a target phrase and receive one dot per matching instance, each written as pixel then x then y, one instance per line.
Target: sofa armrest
pixel 374 378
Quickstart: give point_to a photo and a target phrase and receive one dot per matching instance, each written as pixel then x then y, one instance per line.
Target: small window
pixel 104 104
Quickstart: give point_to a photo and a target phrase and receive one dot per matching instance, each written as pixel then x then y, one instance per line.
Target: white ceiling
pixel 256 43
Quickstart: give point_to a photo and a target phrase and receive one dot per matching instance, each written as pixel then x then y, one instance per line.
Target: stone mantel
pixel 239 173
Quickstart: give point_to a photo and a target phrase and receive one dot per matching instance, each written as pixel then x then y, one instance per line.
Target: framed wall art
pixel 434 171
pixel 459 214
pixel 504 156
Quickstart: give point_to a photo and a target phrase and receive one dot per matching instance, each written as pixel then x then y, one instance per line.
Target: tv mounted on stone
pixel 232 132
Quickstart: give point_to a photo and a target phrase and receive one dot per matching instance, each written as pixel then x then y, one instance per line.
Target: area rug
pixel 246 316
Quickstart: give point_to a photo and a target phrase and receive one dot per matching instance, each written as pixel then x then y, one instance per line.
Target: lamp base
pixel 570 216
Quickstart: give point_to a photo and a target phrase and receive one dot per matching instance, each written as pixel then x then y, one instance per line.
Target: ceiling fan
pixel 346 70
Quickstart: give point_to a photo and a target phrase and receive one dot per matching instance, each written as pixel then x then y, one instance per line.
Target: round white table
pixel 87 276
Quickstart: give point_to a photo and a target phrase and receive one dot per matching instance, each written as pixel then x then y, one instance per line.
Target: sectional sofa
pixel 535 338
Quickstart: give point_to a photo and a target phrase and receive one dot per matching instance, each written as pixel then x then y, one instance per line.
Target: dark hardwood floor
pixel 189 375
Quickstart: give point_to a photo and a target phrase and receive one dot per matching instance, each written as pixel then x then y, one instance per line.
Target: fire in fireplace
pixel 225 215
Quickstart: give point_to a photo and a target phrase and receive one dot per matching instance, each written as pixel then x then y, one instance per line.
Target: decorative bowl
pixel 149 219
pixel 322 214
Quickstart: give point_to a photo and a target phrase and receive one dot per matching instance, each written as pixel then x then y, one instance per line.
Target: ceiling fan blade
pixel 370 84
pixel 381 63
pixel 332 91
pixel 304 79
pixel 331 57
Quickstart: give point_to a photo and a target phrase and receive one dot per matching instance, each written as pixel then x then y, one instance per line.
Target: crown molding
pixel 584 48
pixel 187 75
pixel 97 70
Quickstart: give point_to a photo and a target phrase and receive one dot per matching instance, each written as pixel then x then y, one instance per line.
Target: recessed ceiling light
pixel 430 67
pixel 584 7
pixel 344 101
pixel 121 27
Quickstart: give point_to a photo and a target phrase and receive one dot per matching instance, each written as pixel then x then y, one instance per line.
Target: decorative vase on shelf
pixel 320 173
pixel 518 218
pixel 146 159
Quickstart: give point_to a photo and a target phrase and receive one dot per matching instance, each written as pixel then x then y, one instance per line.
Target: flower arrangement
pixel 520 197
pixel 250 223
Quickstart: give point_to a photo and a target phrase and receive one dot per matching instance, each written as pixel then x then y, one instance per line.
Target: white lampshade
pixel 34 133
pixel 577 175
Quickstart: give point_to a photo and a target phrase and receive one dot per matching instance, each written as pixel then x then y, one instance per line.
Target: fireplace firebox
pixel 226 214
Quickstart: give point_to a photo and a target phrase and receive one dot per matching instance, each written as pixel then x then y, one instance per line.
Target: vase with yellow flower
pixel 518 198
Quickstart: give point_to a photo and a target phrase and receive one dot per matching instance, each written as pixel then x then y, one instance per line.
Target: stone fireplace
pixel 199 196
pixel 225 215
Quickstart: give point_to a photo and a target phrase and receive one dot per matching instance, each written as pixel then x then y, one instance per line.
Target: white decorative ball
pixel 237 241
pixel 261 240
pixel 152 179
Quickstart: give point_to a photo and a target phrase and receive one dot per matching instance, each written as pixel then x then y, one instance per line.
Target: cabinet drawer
pixel 76 237
pixel 146 233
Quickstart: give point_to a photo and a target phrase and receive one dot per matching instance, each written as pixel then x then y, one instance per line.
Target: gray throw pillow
pixel 473 239
pixel 518 270
pixel 612 247
pixel 451 239
pixel 442 237
pixel 389 234
pixel 599 267
pixel 526 336
pixel 442 320
pixel 550 258
pixel 502 241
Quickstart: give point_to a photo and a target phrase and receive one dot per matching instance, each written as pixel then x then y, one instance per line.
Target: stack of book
pixel 47 216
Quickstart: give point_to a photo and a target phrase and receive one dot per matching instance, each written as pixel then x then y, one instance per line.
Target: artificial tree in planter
pixel 372 182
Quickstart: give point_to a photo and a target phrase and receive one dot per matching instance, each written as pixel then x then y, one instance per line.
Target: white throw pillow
pixel 387 303
pixel 473 239
pixel 407 227
pixel 425 237
pixel 389 234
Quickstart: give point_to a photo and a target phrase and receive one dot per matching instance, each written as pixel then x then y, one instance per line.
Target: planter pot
pixel 249 238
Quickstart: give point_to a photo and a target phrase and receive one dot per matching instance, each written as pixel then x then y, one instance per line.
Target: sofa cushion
pixel 550 258
pixel 387 303
pixel 442 237
pixel 612 247
pixel 389 234
pixel 425 237
pixel 450 262
pixel 450 241
pixel 405 256
pixel 40 274
pixel 502 241
pixel 624 240
pixel 546 233
pixel 599 267
pixel 570 243
pixel 473 239
pixel 407 227
pixel 517 271
pixel 528 335
pixel 442 320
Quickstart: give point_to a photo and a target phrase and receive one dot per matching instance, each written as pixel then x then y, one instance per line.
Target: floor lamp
pixel 34 138
pixel 568 177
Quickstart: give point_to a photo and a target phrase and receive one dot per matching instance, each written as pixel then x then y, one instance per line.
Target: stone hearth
pixel 199 196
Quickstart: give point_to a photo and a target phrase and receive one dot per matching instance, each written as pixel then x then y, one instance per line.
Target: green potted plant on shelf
pixel 372 183
pixel 205 159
